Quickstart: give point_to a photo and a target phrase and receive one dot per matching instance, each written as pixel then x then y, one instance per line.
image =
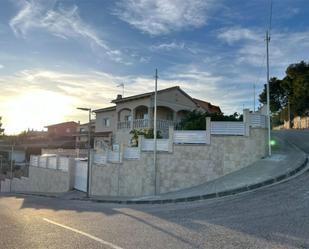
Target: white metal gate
pixel 80 180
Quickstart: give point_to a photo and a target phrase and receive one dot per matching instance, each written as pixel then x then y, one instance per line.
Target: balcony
pixel 144 124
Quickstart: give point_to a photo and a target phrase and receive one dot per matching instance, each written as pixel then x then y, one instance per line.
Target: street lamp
pixel 89 147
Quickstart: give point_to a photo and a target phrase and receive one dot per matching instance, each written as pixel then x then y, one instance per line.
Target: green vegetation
pixel 196 120
pixel 147 133
pixel 1 129
pixel 293 89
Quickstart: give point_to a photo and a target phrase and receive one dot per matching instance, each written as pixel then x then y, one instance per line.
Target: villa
pixel 113 124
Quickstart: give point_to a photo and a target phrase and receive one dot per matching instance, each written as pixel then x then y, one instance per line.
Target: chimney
pixel 119 96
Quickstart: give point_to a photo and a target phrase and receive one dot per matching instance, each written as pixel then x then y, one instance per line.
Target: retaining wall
pixel 186 166
pixel 40 180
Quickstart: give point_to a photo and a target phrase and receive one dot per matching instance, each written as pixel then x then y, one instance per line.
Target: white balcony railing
pixel 144 123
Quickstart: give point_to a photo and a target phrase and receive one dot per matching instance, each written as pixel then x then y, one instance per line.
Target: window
pixel 68 130
pixel 106 122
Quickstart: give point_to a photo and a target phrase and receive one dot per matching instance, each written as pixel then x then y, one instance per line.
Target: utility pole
pixel 289 113
pixel 253 97
pixel 11 166
pixel 156 178
pixel 268 97
pixel 89 171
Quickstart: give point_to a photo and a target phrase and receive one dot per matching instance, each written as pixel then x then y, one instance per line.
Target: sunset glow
pixel 35 110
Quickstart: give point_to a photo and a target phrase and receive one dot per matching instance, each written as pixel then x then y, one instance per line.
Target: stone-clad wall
pixel 187 166
pixel 40 180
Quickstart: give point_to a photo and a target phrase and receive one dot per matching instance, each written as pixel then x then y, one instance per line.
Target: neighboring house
pixel 113 124
pixel 82 134
pixel 61 135
pixel 66 129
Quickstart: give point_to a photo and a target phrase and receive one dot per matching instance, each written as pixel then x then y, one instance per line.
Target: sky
pixel 56 55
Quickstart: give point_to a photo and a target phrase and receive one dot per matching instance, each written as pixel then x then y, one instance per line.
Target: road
pixel 272 217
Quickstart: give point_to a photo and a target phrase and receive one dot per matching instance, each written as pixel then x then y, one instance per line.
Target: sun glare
pixel 35 110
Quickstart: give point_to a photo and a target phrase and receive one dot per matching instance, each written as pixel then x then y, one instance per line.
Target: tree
pixel 293 89
pixel 1 129
pixel 277 95
pixel 297 82
pixel 196 120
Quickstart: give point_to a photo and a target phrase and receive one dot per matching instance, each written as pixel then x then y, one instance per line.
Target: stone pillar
pixel 132 118
pixel 174 116
pixel 208 130
pixel 170 139
pixel 247 121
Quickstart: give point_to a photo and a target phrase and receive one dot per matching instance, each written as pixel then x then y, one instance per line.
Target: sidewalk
pixel 286 161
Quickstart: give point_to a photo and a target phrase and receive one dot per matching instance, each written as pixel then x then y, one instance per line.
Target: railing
pixel 140 123
pixel 228 128
pixel 124 125
pixel 164 124
pixel 145 123
pixel 50 162
pixel 257 120
pixel 148 144
pixel 190 137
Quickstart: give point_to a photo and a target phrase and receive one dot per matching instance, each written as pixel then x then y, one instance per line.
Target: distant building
pixel 81 136
pixel 66 129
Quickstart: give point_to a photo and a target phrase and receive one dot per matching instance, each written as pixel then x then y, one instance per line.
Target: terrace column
pixel 150 116
pixel 132 118
pixel 174 116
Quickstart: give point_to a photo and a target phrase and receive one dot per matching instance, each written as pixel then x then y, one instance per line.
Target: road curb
pixel 226 193
pixel 231 192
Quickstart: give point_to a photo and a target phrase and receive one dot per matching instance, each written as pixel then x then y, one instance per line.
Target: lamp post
pixel 89 147
pixel 156 177
pixel 11 166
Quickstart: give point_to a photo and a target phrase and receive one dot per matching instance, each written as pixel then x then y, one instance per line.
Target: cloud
pixel 168 46
pixel 59 21
pixel 164 16
pixel 1 66
pixel 286 47
pixel 235 34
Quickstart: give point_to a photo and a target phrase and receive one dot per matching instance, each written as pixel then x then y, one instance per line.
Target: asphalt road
pixel 273 217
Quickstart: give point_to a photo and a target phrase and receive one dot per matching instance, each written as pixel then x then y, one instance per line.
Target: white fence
pixel 228 128
pixel 257 120
pixel 50 162
pixel 131 153
pixel 148 144
pixel 190 137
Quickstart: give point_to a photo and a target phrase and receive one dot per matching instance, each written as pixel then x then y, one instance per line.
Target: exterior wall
pixel 187 166
pixel 123 137
pixel 122 114
pixel 40 180
pixel 176 100
pixel 62 130
pixel 133 104
pixel 164 113
pixel 99 126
